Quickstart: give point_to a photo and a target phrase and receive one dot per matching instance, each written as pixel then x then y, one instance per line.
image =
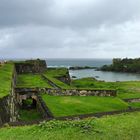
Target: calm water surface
pixel 106 76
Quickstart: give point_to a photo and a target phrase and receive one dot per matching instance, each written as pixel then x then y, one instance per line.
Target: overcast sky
pixel 69 28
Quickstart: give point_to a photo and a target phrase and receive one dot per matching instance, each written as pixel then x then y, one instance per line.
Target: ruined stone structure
pixel 79 92
pixel 8 104
pixel 39 104
pixel 65 79
pixel 11 104
pixel 31 66
pixel 69 92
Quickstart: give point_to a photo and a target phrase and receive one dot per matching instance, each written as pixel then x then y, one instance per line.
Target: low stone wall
pixel 78 92
pixel 43 109
pixel 68 92
pixel 75 117
pixel 133 100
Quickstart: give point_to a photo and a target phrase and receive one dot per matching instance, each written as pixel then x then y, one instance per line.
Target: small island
pixel 81 67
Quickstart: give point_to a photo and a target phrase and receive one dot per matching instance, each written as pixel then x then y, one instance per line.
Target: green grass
pixel 118 127
pixel 58 82
pixel 29 115
pixel 5 79
pixel 53 73
pixel 74 105
pixel 127 89
pixel 56 72
pixel 31 80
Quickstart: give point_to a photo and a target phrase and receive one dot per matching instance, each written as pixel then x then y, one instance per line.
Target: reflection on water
pixel 106 76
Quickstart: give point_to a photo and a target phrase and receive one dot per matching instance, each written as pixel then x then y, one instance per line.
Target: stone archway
pixel 29 103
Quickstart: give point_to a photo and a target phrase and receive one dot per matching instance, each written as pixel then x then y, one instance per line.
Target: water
pixel 100 75
pixel 77 62
pixel 105 76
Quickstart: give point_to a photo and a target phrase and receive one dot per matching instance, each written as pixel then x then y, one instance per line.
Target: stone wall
pixel 78 92
pixel 43 109
pixel 8 104
pixel 31 66
pixel 134 100
pixel 66 78
pixel 4 110
pixel 69 92
pixel 13 101
pixel 40 105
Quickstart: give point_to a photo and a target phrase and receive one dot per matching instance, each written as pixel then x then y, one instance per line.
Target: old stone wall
pixel 4 110
pixel 65 79
pixel 8 104
pixel 31 66
pixel 43 109
pixel 134 100
pixel 13 101
pixel 78 92
pixel 40 105
pixel 69 92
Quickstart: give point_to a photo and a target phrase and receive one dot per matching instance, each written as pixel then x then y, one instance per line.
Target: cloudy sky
pixel 69 28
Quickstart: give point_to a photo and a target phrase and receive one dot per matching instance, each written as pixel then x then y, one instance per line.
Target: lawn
pixel 32 80
pixel 74 105
pixel 117 127
pixel 127 89
pixel 5 79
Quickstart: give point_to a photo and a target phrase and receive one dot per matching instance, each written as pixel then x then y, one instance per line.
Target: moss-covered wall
pixel 4 110
pixel 31 66
pixel 8 104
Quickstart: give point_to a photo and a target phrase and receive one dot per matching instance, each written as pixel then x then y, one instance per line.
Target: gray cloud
pixel 69 28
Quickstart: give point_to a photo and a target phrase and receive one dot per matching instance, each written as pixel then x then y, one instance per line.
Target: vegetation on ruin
pixel 32 80
pixel 123 65
pixel 74 105
pixel 124 126
pixel 6 71
pixel 54 73
pixel 57 72
pixel 118 127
